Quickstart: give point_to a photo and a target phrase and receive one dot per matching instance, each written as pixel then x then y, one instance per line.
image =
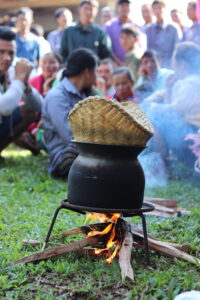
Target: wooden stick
pixel 35 243
pixel 183 211
pixel 165 208
pixel 27 242
pixel 173 252
pixel 168 249
pixel 125 258
pixel 90 252
pixel 72 231
pixel 166 202
pixel 184 247
pixel 58 250
pixel 82 229
pixel 162 208
pixel 162 214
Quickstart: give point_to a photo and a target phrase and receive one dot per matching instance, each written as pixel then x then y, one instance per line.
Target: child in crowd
pixel 128 40
pixel 100 86
pixel 123 81
pixel 104 70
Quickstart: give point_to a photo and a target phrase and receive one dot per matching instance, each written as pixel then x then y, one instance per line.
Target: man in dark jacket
pixel 85 33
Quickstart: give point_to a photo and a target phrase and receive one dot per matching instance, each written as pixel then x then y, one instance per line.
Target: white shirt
pixel 9 100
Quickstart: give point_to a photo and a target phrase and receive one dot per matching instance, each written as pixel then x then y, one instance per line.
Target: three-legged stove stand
pixel 125 212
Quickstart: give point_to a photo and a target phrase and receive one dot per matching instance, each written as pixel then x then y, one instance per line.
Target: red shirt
pixel 131 97
pixel 37 82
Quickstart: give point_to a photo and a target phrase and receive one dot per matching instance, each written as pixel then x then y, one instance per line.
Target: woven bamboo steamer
pixel 100 120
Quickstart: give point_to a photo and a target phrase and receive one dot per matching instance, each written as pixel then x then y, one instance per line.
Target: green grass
pixel 28 198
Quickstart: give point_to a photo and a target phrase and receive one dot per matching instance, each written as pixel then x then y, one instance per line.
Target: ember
pixel 112 238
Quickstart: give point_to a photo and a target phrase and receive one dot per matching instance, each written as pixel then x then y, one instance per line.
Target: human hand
pixel 142 72
pixel 22 70
pixel 48 84
pixel 40 124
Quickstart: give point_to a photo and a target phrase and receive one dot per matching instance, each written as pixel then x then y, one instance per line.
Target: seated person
pixel 50 65
pixel 76 84
pixel 152 78
pixel 123 81
pixel 181 114
pixel 104 70
pixel 100 86
pixel 33 137
pixel 14 118
pixel 129 41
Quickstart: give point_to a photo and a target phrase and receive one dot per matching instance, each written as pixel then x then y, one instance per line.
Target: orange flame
pixel 109 229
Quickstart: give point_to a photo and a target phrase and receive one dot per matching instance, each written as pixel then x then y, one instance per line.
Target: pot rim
pixel 111 145
pixel 146 207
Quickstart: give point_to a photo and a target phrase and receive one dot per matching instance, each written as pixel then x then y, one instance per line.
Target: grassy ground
pixel 28 198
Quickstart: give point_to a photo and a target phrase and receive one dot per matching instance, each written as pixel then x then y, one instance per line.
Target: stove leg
pixel 145 238
pixel 51 227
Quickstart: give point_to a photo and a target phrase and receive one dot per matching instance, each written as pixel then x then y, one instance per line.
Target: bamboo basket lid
pixel 99 120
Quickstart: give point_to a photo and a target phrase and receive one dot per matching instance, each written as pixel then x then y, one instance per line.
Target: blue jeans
pixel 9 122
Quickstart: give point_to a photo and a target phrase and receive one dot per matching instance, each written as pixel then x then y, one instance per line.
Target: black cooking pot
pixel 106 177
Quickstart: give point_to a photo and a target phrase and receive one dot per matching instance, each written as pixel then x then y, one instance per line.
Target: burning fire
pixel 109 230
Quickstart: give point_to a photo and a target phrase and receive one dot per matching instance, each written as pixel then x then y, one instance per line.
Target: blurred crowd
pixel 156 65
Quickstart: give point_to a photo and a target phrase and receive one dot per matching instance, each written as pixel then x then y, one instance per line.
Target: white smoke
pixel 154 170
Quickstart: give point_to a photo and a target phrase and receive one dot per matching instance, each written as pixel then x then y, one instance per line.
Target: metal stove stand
pixel 140 212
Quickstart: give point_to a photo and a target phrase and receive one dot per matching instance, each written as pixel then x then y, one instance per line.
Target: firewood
pixel 125 258
pixel 183 211
pixel 161 201
pixel 183 247
pixel 27 242
pixel 58 250
pixel 72 231
pixel 82 229
pixel 90 252
pixel 162 214
pixel 169 250
pixel 163 208
pixel 35 243
pixel 173 252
